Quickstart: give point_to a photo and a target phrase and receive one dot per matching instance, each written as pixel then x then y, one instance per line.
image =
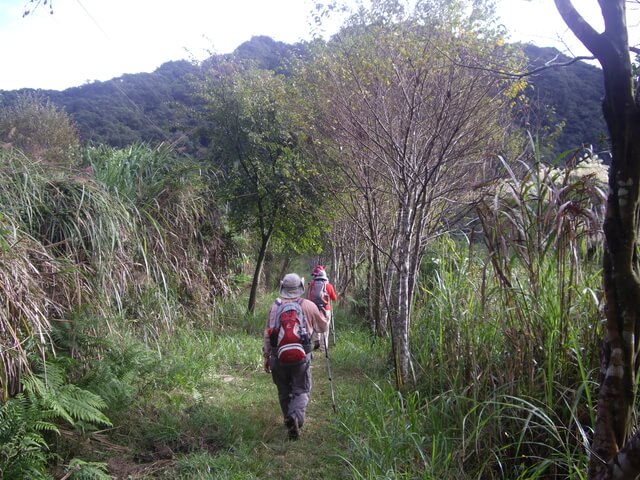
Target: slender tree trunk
pixel 401 328
pixel 258 272
pixel 378 300
pixel 347 275
pixel 284 269
pixel 401 314
pixel 270 270
pixel 335 265
pixel 374 297
pixel 371 294
pixel 389 304
pixel 416 255
pixel 619 365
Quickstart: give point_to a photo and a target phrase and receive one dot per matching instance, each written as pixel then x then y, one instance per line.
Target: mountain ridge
pixel 160 106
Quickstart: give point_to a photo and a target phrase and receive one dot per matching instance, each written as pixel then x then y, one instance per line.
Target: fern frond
pixel 53 397
pixel 82 405
pixel 23 450
pixel 47 398
pixel 81 470
pixel 40 426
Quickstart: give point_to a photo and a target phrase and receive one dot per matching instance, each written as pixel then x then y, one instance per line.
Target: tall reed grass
pixel 134 237
pixel 504 342
pixel 91 259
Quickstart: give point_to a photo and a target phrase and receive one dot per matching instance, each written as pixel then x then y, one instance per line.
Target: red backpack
pixel 289 336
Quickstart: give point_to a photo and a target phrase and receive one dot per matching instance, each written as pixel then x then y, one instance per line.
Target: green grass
pixel 504 365
pixel 195 403
pixel 202 407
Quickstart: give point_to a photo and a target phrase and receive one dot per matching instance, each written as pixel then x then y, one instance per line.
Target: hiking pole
pixel 333 327
pixel 326 354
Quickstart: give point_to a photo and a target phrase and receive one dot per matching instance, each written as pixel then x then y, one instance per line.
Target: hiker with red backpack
pixel 287 349
pixel 322 293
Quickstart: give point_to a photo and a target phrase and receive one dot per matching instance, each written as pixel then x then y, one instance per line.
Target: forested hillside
pixel 569 96
pixel 161 106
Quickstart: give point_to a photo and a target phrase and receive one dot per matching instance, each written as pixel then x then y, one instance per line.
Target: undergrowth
pixel 148 375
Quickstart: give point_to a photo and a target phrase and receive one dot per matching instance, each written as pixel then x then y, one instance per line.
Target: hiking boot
pixel 316 344
pixel 292 426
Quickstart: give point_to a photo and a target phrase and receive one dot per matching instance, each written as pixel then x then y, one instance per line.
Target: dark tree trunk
pixel 614 454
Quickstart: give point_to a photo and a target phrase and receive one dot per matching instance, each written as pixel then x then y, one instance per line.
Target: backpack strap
pixel 276 319
pixel 302 316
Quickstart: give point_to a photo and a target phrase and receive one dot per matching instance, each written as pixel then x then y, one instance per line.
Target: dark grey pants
pixel 294 384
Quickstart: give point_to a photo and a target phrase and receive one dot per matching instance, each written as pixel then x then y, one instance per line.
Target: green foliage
pixel 478 411
pixel 131 252
pixel 527 402
pixel 138 234
pixel 414 129
pixel 540 230
pixel 524 407
pixel 23 448
pixel 27 419
pixel 268 176
pixel 268 54
pixel 115 369
pixel 528 439
pixel 385 431
pixel 79 224
pixel 80 219
pixel 50 392
pixel 258 144
pixel 139 172
pixel 162 106
pixel 81 470
pixel 184 405
pixel 25 281
pixel 145 107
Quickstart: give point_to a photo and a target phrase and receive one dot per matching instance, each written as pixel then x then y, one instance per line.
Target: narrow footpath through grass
pixel 219 416
pixel 263 449
pixel 266 451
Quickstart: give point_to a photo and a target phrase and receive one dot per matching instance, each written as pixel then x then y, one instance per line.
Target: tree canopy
pixel 415 129
pixel 258 143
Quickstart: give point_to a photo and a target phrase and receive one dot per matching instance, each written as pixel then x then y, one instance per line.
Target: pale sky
pixel 87 40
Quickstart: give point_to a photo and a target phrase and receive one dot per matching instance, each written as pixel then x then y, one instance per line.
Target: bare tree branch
pixel 578 25
pixel 515 75
pixel 35 4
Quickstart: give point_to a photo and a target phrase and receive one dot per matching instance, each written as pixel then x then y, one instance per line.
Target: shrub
pixel 40 129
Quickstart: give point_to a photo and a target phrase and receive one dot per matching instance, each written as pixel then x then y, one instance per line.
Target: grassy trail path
pixel 313 455
pixel 249 397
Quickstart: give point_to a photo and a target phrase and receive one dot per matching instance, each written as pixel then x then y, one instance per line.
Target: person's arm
pixel 315 319
pixel 332 292
pixel 266 340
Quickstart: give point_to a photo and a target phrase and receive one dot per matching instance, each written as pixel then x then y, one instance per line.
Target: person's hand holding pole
pixel 267 365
